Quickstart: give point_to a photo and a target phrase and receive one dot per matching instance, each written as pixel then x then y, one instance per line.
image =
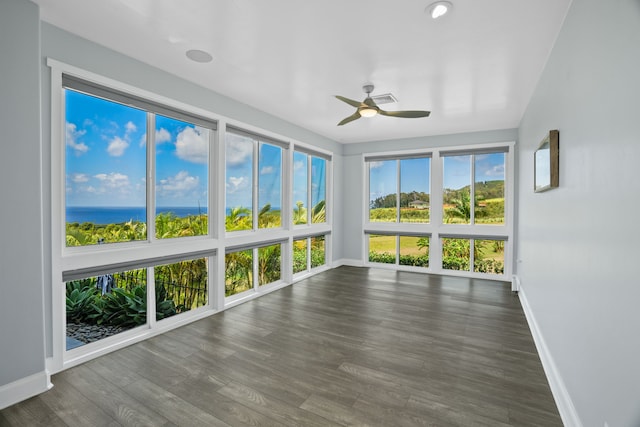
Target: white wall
pixel 21 278
pixel 579 244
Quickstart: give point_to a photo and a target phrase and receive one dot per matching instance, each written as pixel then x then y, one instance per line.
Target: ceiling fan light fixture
pixel 368 112
pixel 439 9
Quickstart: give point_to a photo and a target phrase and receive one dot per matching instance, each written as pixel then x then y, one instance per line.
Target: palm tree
pixel 237 219
pixel 300 214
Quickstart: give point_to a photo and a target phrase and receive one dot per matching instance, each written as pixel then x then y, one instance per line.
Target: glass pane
pixel 318 190
pixel 456 254
pixel 382 249
pixel 414 251
pixel 101 306
pixel 269 185
pixel 269 264
pixel 299 255
pixel 300 187
pixel 414 190
pixel 318 256
pixel 180 287
pixel 456 192
pixel 488 256
pixel 105 170
pixel 383 189
pixel 182 158
pixel 489 188
pixel 238 272
pixel 239 182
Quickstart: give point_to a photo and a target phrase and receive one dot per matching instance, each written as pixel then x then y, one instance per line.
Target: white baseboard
pixel 24 388
pixel 563 400
pixel 347 262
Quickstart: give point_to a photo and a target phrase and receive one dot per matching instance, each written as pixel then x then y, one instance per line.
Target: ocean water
pixel 115 215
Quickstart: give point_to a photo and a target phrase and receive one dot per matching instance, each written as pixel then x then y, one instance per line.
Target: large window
pixel 460 225
pixel 106 304
pixel 253 182
pixel 474 201
pixel 249 269
pixel 138 203
pixel 309 188
pixel 136 172
pixel 406 250
pixel 108 197
pixel 399 190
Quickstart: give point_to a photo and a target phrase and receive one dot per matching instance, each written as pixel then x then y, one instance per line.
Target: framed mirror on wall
pixel 546 163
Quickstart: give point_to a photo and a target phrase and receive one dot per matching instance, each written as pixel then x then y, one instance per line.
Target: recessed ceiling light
pixel 198 55
pixel 439 9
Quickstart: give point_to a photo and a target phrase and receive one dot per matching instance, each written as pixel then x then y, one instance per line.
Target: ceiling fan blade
pixel 349 101
pixel 351 118
pixel 411 114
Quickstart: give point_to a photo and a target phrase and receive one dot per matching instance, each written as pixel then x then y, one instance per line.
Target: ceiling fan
pixel 368 108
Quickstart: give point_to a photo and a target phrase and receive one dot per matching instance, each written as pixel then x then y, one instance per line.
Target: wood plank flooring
pixel 350 346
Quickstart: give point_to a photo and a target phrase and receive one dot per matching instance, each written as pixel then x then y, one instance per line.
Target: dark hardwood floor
pixel 351 346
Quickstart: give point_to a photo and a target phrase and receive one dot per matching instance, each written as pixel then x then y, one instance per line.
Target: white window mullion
pixel 309 189
pixel 398 186
pixel 255 182
pixel 151 177
pixel 255 268
pixel 472 191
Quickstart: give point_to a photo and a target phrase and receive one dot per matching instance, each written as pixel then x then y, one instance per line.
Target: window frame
pixel 90 260
pixel 258 139
pixel 436 228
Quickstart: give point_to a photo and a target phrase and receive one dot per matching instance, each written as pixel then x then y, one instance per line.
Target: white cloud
pixel 79 177
pixel 130 127
pixel 238 149
pixel 117 146
pixel 497 170
pixel 236 183
pixel 375 165
pixel 179 184
pixel 191 145
pixel 298 165
pixel 72 136
pixel 267 170
pixel 112 181
pixel 162 135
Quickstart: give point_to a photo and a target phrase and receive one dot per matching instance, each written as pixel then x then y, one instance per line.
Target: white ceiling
pixel 475 69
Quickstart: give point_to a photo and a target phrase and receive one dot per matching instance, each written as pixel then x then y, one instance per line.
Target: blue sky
pixel 106 156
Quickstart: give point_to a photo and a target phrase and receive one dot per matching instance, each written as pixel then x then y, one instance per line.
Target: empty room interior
pixel 342 213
